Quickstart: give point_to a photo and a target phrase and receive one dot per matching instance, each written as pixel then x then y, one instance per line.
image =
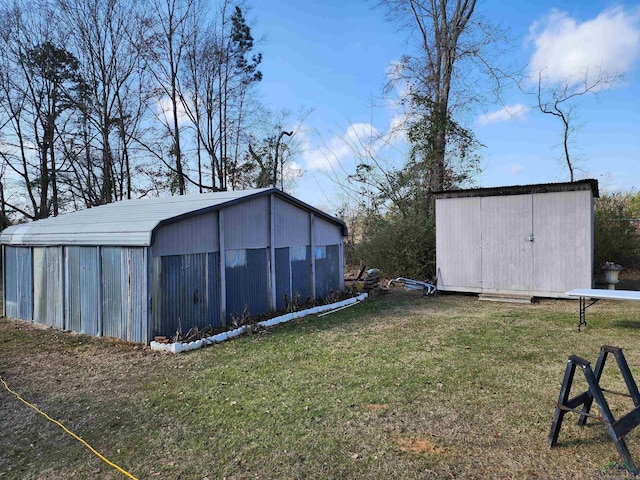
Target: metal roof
pixel 132 222
pixel 579 185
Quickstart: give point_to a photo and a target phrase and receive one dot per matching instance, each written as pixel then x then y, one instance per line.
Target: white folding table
pixel 595 294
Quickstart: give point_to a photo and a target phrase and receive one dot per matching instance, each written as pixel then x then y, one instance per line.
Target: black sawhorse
pixel 617 429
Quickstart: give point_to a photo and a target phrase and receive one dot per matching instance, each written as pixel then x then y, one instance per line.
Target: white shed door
pixel 507 246
pixel 563 242
pixel 459 257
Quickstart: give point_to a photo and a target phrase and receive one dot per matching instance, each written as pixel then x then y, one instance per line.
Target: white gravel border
pixel 180 347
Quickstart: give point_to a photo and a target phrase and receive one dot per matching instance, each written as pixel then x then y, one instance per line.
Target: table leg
pixel 583 307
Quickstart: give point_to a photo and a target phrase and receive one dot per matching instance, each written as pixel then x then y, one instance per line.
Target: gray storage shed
pixel 138 268
pixel 534 240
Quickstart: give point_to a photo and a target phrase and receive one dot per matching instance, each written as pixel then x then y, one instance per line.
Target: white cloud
pixel 357 137
pixel 397 129
pixel 514 168
pixel 360 132
pixel 566 49
pixel 164 108
pixel 400 86
pixel 508 112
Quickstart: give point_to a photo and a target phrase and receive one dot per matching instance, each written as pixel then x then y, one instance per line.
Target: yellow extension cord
pixel 91 449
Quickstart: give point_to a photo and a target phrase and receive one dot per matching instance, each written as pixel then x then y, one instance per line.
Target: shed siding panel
pixel 39 285
pixel 184 287
pixel 507 254
pixel 326 233
pixel 124 292
pixel 112 293
pixel 83 280
pixel 327 270
pixel 134 295
pixel 283 277
pixel 197 234
pixel 170 294
pixel 89 291
pixel 291 225
pixel 25 284
pixel 301 276
pixel 563 245
pixel 72 294
pixel 248 284
pixel 458 244
pixel 47 286
pixel 246 225
pixel 10 281
pixel 19 282
pixel 155 270
pixel 213 299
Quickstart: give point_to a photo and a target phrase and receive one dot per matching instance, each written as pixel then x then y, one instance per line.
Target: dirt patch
pixel 420 446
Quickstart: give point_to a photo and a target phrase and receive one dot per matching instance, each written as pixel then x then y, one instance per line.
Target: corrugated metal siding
pixel 198 234
pixel 301 275
pixel 112 292
pixel 18 283
pixel 327 271
pixel 458 244
pixel 248 284
pixel 326 233
pixel 124 293
pixel 10 273
pixel 213 278
pixel 291 224
pixel 283 277
pixel 83 285
pixel 90 291
pixel 47 286
pixel 189 293
pixel 25 284
pixel 72 289
pixel 247 225
pixel 155 271
pixel 134 295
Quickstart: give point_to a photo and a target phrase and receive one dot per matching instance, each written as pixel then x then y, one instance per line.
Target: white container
pixel 221 337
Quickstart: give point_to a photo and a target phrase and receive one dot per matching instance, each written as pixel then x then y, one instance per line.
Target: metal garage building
pixel 534 240
pixel 139 268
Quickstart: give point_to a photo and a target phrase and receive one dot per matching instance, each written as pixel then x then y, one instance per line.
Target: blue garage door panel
pixel 301 273
pixel 247 281
pixel 283 277
pixel 189 290
pixel 327 269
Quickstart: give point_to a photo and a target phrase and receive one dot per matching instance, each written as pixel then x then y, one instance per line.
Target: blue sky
pixel 332 57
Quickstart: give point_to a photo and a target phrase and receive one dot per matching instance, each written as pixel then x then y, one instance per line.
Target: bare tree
pixel 40 85
pixel 217 97
pixel 94 93
pixel 559 100
pixel 109 37
pixel 270 154
pixel 174 19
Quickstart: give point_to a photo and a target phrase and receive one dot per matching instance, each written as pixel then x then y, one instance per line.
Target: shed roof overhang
pixel 580 185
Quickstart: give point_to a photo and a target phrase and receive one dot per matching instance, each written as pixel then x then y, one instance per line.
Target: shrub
pixel 616 239
pixel 399 245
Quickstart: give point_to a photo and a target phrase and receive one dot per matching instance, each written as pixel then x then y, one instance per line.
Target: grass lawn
pixel 397 387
